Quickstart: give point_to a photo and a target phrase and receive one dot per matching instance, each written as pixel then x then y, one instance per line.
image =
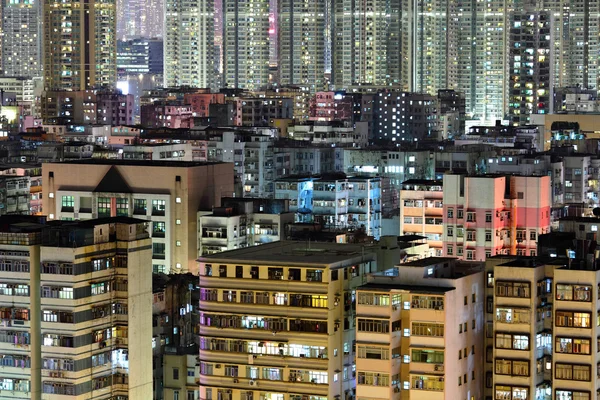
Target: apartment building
pixel 489 215
pixel 175 336
pixel 419 331
pixel 540 328
pixel 421 211
pixel 241 223
pixel 168 194
pixel 263 338
pixel 251 153
pixel 75 336
pixel 181 373
pixel 335 200
pixel 80 43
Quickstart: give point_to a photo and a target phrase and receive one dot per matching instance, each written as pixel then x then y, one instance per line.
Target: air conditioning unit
pixel 396 389
pixel 439 367
pixel 395 307
pixel 218 366
pixel 235 380
pixel 253 383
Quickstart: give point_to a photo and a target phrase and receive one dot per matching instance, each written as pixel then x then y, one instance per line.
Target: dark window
pixel 294 274
pixel 176 373
pixel 334 275
pixel 239 271
pixel 222 271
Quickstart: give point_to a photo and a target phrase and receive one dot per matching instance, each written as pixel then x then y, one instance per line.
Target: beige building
pixel 75 309
pixel 166 194
pixel 588 123
pixel 419 332
pixel 422 211
pixel 541 326
pixel 276 321
pixel 180 377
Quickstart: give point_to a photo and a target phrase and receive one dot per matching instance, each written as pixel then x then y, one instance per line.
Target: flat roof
pixel 410 238
pixel 98 221
pixel 411 288
pixel 425 182
pixel 301 253
pixel 423 262
pixel 141 163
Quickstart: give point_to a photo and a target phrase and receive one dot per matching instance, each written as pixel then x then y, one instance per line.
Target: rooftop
pixel 141 163
pixel 425 182
pixel 411 288
pixel 333 255
pixel 88 223
pixel 424 262
pixel 411 238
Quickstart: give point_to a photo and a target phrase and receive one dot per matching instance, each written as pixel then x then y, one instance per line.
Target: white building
pixel 302 44
pixel 335 200
pixel 22 38
pixel 246 44
pixel 241 223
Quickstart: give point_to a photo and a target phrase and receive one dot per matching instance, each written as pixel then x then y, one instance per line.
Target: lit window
pixel 178 200
pixel 178 265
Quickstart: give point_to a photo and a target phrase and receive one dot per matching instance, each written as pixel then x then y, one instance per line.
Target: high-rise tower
pixel 140 18
pixel 80 47
pixel 189 43
pixel 302 43
pixel 366 42
pixel 246 43
pixel 530 65
pixel 22 38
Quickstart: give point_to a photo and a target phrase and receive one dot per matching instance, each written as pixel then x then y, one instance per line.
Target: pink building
pixel 489 215
pixel 330 106
pixel 114 108
pixel 123 135
pixel 200 102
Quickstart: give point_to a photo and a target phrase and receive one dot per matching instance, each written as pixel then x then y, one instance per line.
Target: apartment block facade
pixel 283 329
pixel 542 329
pixel 421 212
pixel 75 307
pixel 168 194
pixel 420 331
pixel 335 200
pixel 490 215
pixel 240 223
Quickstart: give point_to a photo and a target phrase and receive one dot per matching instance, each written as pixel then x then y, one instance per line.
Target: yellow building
pixel 76 309
pixel 276 321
